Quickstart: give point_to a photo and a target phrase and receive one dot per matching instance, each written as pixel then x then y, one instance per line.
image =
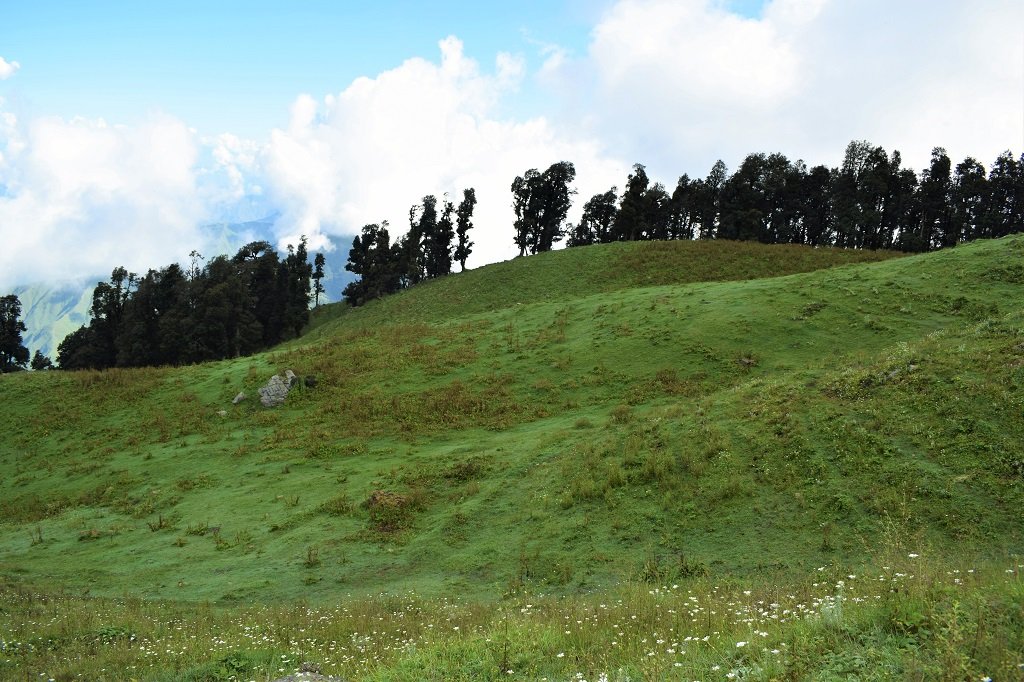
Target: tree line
pixel 870 202
pixel 438 237
pixel 226 308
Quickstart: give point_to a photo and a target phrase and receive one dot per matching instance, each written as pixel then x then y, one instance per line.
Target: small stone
pixel 238 398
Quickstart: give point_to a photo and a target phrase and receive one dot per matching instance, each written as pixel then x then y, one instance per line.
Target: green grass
pixel 912 619
pixel 584 424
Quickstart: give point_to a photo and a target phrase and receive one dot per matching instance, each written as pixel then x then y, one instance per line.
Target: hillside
pixel 656 453
pixel 742 426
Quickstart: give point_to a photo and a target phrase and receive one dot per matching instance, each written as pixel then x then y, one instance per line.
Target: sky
pixel 127 127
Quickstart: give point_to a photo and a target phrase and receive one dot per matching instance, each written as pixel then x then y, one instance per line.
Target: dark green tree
pixel 595 226
pixel 968 196
pixel 40 362
pixel 438 242
pixel 1004 209
pixel 428 228
pixel 13 353
pixel 541 202
pixel 934 192
pixel 258 268
pixel 108 303
pixel 681 215
pixel 79 350
pixel 631 219
pixel 464 223
pixel 410 263
pixel 761 200
pixel 816 207
pixel 297 274
pixel 138 342
pixel 526 189
pixel 318 276
pixel 707 197
pixel 377 263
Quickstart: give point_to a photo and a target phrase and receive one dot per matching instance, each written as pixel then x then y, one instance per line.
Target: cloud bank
pixel 674 84
pixel 80 197
pixel 683 82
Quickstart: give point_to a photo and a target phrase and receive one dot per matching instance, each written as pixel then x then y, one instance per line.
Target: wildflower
pixel 912 555
pixel 740 645
pixel 561 654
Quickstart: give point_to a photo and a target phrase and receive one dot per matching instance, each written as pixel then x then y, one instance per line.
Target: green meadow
pixel 645 460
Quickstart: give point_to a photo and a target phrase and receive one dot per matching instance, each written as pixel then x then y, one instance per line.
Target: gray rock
pixel 274 393
pixel 309 672
pixel 308 677
pixel 289 376
pixel 239 398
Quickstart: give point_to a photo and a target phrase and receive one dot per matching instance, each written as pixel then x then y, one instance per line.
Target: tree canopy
pixel 226 308
pixel 541 202
pixel 870 202
pixel 425 252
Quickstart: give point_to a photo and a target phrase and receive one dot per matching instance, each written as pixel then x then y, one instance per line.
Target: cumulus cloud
pixel 82 196
pixel 7 68
pixel 371 151
pixel 680 83
pixel 79 196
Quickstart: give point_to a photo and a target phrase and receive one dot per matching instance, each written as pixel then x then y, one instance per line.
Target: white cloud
pixel 230 173
pixel 79 197
pixel 7 68
pixel 378 147
pixel 82 197
pixel 680 83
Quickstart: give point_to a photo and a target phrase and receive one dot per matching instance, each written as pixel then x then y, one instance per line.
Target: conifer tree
pixel 464 223
pixel 13 353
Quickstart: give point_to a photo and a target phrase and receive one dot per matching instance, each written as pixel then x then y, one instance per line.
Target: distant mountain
pixel 52 311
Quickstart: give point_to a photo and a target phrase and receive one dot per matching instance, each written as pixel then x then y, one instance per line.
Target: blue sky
pixel 126 126
pixel 234 66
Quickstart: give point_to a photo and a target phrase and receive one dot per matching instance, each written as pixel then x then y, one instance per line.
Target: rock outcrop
pixel 276 390
pixel 274 393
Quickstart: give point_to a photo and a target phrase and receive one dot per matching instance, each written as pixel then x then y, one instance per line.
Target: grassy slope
pixel 652 430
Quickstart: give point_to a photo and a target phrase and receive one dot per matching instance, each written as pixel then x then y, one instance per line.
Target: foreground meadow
pixel 913 618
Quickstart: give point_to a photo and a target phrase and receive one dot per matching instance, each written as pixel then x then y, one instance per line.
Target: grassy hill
pixel 630 414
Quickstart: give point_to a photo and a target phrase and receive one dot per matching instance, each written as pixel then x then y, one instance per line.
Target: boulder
pixel 291 379
pixel 274 393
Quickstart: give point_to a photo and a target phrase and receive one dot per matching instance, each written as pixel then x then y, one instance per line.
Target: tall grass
pixel 914 618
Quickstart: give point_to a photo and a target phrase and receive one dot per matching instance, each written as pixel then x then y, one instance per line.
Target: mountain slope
pixel 474 445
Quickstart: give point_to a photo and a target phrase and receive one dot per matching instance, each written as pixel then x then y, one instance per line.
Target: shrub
pixel 621 414
pixel 389 512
